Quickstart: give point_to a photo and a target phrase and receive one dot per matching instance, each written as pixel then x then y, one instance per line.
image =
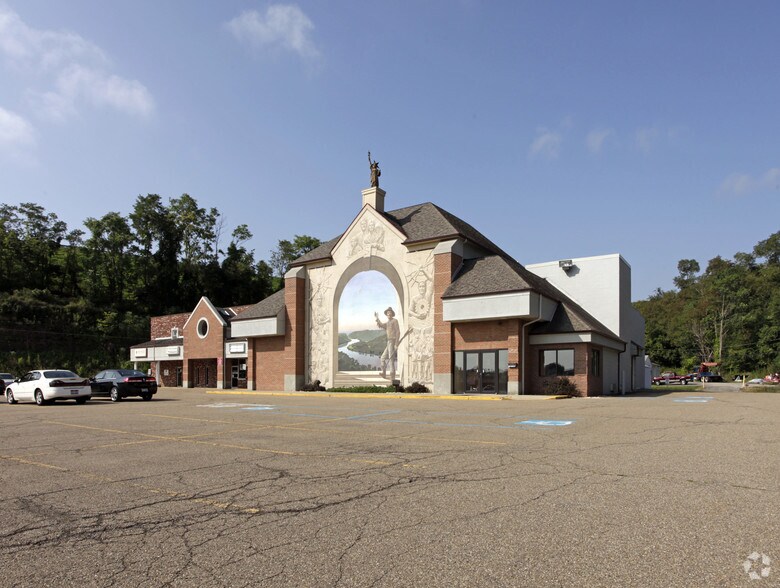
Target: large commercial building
pixel 469 318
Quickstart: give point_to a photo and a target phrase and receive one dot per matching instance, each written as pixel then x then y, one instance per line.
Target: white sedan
pixel 45 386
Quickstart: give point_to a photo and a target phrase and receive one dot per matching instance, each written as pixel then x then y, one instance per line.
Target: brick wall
pixel 581 377
pixel 295 335
pixel 444 266
pixel 486 335
pixel 203 373
pixel 161 325
pixel 212 346
pixel 168 381
pixel 267 363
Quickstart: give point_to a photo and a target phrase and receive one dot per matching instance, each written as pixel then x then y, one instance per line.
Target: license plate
pixel 144 389
pixel 75 391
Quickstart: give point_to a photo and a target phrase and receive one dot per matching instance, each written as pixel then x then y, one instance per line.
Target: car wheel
pixel 115 397
pixel 82 399
pixel 146 397
pixel 39 399
pixel 685 382
pixel 9 397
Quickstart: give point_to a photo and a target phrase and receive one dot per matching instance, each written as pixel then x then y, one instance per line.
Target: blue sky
pixel 558 129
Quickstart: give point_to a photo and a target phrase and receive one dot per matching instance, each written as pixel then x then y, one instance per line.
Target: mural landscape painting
pixel 361 343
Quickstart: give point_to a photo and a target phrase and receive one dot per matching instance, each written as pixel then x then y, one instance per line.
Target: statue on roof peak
pixel 375 171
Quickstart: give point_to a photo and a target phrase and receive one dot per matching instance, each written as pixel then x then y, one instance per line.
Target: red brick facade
pixel 444 267
pixel 161 326
pixel 208 347
pixel 586 382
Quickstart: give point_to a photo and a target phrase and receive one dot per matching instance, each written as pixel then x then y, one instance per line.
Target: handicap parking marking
pixel 241 405
pixel 694 399
pixel 546 423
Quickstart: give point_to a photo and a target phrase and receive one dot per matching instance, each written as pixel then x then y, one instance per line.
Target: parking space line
pixel 153 489
pixel 301 427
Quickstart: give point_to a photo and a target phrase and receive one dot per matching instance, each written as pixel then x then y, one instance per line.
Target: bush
pixel 562 386
pixel 313 387
pixel 417 388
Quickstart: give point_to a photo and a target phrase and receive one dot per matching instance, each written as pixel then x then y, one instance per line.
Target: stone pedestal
pixel 375 198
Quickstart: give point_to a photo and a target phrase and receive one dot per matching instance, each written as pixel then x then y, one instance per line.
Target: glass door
pixel 477 372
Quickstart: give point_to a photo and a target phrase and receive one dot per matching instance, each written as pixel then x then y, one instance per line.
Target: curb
pixel 388 395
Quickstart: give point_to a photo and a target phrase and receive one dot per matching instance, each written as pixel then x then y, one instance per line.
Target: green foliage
pixel 79 301
pixel 730 313
pixel 365 389
pixel 288 251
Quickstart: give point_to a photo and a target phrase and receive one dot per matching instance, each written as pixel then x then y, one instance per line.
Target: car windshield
pixel 59 374
pixel 6 377
pixel 130 373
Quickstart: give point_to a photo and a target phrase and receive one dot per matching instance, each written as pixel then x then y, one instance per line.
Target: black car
pixel 120 384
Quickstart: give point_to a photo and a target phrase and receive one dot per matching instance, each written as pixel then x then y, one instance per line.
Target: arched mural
pixel 371 272
pixel 362 323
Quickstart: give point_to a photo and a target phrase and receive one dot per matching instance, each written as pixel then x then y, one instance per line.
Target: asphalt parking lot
pixel 203 489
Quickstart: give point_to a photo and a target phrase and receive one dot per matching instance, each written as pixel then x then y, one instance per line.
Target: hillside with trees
pixel 79 300
pixel 728 313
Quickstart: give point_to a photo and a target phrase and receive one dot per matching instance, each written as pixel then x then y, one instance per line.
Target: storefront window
pixel 557 362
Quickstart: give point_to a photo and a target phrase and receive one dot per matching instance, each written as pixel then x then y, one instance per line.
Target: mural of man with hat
pixel 393 335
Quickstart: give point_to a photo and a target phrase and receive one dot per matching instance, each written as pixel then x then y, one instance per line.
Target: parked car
pixel 45 386
pixel 670 377
pixel 710 377
pixel 119 384
pixel 5 379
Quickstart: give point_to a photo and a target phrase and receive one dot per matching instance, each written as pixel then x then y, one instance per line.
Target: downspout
pixel 522 345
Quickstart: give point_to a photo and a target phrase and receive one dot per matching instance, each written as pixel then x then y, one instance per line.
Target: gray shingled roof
pixel 160 343
pixel 266 308
pixel 495 274
pixel 421 222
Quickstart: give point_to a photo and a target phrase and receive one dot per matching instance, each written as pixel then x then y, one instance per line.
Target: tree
pixel 107 253
pixel 287 252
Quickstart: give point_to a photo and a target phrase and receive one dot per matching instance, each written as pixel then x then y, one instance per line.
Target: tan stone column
pixel 250 363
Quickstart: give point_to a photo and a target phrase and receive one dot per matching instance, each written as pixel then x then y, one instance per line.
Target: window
pixel 203 328
pixel 595 362
pixel 556 362
pixel 481 371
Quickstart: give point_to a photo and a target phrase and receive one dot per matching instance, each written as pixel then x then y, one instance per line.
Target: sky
pixel 367 293
pixel 558 129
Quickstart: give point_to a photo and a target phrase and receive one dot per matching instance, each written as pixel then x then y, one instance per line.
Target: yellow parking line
pixel 153 489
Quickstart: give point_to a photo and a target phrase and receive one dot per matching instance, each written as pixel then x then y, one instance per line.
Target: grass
pixel 677 388
pixel 761 388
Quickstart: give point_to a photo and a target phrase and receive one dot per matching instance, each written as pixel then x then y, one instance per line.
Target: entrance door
pixel 478 372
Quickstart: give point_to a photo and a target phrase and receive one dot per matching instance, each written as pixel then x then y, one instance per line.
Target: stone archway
pixel 366 264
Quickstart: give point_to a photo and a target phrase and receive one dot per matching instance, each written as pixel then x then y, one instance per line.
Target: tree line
pixel 78 299
pixel 727 313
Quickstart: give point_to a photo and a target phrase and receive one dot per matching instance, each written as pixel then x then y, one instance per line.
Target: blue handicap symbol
pixel 694 399
pixel 544 423
pixel 259 408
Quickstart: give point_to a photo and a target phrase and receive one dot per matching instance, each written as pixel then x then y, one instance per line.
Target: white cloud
pixel 597 138
pixel 78 70
pixel 743 184
pixel 282 25
pixel 646 138
pixel 77 84
pixel 547 144
pixel 24 46
pixel 15 131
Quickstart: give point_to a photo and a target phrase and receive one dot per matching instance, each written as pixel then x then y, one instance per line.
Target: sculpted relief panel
pixel 420 291
pixel 320 327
